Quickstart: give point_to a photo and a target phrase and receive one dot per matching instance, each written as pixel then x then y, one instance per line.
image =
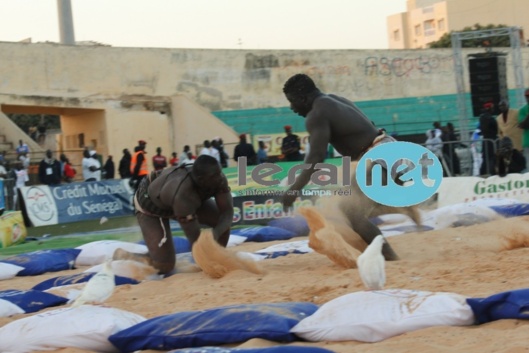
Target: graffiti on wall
pixel 404 67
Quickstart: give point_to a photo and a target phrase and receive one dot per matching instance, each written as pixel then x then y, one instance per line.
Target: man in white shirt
pixel 206 149
pixel 91 166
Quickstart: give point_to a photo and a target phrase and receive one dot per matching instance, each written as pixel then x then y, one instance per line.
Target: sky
pixel 210 24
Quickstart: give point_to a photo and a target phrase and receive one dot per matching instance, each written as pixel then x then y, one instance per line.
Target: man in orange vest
pixel 138 165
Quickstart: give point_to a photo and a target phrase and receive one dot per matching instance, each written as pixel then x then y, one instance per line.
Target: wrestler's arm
pixel 184 208
pixel 224 202
pixel 320 134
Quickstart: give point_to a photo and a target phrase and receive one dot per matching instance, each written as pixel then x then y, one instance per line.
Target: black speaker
pixel 488 82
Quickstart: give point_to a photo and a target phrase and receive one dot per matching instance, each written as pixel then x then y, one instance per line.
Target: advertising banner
pixel 46 205
pixel 465 189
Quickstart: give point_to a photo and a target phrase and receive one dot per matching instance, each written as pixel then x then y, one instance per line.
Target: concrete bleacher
pixel 400 116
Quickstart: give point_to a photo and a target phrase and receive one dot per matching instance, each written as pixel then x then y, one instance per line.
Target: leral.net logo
pixel 402 174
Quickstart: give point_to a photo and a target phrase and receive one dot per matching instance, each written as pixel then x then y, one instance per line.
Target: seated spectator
pixel 188 160
pixel 509 159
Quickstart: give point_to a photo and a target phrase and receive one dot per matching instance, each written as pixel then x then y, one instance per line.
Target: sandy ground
pixel 475 261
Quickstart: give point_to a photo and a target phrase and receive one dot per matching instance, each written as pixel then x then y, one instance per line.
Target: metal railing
pixel 469 155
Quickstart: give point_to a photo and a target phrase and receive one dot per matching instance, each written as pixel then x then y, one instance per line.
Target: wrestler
pixel 193 195
pixel 338 121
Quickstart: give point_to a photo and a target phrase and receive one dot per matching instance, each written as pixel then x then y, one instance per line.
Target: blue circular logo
pixel 399 174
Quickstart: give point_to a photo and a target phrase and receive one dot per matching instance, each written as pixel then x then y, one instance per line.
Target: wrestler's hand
pixel 288 199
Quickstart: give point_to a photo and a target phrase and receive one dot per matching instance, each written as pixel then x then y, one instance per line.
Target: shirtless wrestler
pixel 193 195
pixel 338 121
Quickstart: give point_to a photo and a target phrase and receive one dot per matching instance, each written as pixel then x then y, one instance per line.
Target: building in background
pixel 425 21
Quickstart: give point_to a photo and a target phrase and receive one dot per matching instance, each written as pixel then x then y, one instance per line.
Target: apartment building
pixel 426 21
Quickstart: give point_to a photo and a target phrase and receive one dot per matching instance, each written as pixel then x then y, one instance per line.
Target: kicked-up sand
pixel 475 261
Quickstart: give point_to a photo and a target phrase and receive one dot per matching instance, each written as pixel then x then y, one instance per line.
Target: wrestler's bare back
pixel 174 189
pixel 350 131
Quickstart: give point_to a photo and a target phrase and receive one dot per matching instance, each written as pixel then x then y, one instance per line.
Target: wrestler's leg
pixel 153 229
pixel 357 209
pixel 208 214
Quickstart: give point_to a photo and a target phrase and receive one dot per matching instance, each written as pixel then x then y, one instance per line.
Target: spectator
pixel 523 123
pixel 24 159
pixel 187 149
pixel 188 160
pixel 244 149
pixel 262 155
pixel 22 148
pixel 449 149
pixel 489 131
pixel 91 167
pixel 508 124
pixel 124 164
pixel 438 129
pixel 434 143
pixel 50 170
pixel 109 168
pixel 174 160
pixel 290 146
pixel 509 159
pixel 159 161
pixel 69 171
pixel 33 133
pixel 41 136
pixel 138 165
pixel 206 149
pixel 21 177
pixel 224 158
pixel 214 150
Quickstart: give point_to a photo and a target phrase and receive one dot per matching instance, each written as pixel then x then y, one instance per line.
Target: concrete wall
pixel 215 79
pixel 165 95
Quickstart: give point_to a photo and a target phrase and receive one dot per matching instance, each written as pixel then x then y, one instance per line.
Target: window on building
pixel 80 139
pixel 418 30
pixel 441 24
pixel 429 28
pixel 396 35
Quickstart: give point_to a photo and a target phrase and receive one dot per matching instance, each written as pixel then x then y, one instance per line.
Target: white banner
pixel 465 189
pixel 40 205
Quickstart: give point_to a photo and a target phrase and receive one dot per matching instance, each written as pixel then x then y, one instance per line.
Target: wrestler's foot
pixel 121 254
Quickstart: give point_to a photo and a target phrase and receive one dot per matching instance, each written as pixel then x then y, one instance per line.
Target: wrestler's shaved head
pixel 205 164
pixel 299 84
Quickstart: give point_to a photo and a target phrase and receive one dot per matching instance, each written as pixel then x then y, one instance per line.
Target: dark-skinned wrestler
pixel 338 121
pixel 193 195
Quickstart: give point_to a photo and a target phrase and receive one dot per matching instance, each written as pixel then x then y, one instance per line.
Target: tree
pixel 498 41
pixel 26 121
